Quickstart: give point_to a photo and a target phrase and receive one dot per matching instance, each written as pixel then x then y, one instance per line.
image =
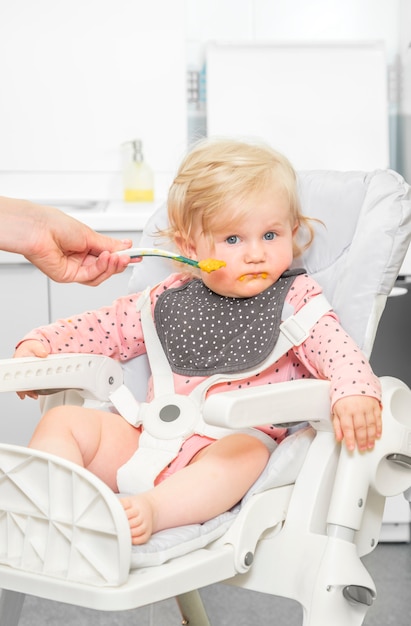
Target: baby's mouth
pixel 253 276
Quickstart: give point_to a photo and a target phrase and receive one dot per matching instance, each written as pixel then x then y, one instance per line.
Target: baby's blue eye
pixel 232 239
pixel 269 236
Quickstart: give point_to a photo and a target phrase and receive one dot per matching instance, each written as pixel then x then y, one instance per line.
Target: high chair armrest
pixel 287 402
pixel 94 376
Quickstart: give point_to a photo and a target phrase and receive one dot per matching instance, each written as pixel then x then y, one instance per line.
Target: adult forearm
pixel 20 220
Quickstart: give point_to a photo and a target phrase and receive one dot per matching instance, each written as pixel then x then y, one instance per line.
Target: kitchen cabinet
pixel 25 305
pixel 396 526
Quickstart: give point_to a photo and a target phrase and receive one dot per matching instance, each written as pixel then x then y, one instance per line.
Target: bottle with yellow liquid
pixel 138 175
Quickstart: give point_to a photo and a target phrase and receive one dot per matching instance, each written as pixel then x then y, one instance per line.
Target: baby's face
pixel 257 248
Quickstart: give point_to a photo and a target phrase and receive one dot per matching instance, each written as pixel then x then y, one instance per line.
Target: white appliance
pixel 323 105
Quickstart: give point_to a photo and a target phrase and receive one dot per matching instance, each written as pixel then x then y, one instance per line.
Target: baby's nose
pixel 255 252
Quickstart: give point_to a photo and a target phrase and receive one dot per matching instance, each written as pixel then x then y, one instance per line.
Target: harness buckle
pixel 294 331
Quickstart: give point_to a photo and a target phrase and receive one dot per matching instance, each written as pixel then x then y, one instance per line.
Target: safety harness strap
pixel 170 418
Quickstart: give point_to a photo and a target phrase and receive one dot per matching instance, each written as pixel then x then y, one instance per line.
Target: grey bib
pixel 203 333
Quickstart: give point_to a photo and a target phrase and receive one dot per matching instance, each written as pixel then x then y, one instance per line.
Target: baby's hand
pixel 31 347
pixel 357 419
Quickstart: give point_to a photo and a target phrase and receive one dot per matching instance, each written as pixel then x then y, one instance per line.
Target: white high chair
pixel 302 529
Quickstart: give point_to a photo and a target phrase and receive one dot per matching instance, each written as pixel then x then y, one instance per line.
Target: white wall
pixel 79 78
pixel 86 75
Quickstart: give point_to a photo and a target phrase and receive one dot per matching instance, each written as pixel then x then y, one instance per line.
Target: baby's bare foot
pixel 140 515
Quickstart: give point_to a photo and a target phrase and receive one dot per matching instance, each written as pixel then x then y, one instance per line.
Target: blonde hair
pixel 217 172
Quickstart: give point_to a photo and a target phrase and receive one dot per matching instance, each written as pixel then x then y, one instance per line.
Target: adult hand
pixel 59 245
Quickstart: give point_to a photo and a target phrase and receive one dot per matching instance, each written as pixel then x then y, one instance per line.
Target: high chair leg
pixel 343 590
pixel 192 609
pixel 11 604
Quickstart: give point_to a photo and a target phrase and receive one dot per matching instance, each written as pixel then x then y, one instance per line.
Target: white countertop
pixel 112 216
pixel 101 216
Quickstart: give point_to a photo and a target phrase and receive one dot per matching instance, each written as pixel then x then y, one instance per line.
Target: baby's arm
pixel 357 420
pixel 330 353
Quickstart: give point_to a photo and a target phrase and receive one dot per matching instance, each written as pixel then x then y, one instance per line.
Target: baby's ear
pixel 185 246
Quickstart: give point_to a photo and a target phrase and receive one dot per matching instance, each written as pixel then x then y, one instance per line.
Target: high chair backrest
pixel 363 226
pixel 365 231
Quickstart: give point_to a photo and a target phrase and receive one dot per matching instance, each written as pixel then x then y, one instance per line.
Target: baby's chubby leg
pixel 97 440
pixel 214 481
pixel 216 478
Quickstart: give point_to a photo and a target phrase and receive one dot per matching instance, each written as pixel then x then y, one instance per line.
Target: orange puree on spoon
pixel 210 265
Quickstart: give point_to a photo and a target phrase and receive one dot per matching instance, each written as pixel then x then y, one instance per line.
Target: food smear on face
pixel 253 276
pixel 210 265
